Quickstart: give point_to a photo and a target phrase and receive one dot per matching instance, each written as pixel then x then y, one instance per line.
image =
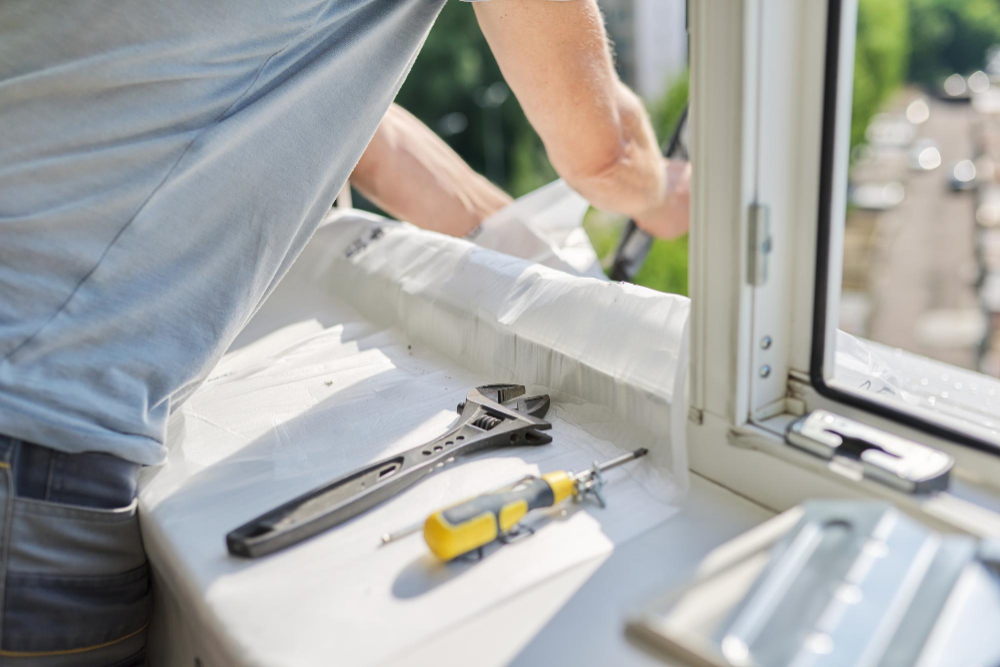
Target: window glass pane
pixel 920 300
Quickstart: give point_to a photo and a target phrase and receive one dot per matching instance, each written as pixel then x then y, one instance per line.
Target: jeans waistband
pixel 89 479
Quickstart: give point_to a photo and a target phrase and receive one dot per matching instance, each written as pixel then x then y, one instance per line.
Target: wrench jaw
pixel 533 406
pixel 498 393
pixel 503 398
pixel 519 418
pixel 491 394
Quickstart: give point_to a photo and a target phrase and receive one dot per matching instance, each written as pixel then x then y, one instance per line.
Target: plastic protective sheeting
pixel 966 400
pixel 544 227
pixel 364 349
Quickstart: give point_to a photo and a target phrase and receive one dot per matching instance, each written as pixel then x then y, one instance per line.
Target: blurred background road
pixel 916 280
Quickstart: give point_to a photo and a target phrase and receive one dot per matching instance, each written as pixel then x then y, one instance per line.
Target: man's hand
pixel 555 57
pixel 415 176
pixel 671 217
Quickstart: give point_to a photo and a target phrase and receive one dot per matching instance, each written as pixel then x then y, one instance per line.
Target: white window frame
pixel 758 71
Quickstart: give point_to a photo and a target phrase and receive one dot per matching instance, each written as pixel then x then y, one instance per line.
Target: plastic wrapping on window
pixel 363 350
pixel 966 400
pixel 545 227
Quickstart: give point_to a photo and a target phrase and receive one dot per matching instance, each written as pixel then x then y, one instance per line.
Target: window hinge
pixel 760 244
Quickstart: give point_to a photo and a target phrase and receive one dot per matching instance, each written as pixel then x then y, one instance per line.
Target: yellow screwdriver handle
pixel 478 521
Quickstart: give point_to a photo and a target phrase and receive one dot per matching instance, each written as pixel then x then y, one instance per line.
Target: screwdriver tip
pixel 642 451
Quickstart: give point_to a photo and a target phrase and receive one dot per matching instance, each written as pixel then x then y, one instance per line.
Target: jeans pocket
pixel 59 539
pixel 76 577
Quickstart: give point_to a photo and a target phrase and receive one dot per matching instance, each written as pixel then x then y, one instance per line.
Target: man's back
pixel 127 136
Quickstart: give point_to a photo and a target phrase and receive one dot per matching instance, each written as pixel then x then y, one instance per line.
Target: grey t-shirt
pixel 161 166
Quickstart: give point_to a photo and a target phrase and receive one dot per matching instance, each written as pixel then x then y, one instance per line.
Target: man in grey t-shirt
pixel 161 166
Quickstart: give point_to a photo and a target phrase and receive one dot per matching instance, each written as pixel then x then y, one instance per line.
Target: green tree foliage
pixel 452 75
pixel 922 41
pixel 666 111
pixel 666 268
pixel 880 61
pixel 950 36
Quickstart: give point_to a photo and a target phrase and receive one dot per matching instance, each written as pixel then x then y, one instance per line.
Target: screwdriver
pixel 476 522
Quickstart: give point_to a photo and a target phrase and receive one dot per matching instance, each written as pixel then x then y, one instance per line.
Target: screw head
pixel 765 371
pixel 765 343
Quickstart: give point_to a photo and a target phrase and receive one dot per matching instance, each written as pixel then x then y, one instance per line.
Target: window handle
pixel 897 462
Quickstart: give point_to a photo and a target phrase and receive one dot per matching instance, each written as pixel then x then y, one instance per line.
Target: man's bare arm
pixel 415 176
pixel 555 57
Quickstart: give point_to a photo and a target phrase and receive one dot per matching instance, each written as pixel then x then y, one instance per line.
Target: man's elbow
pixel 618 146
pixel 599 160
pixel 602 160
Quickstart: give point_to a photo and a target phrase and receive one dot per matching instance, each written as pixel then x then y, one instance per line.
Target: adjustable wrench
pixel 496 415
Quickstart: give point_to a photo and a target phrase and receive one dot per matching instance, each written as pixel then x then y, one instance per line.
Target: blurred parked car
pixel 876 196
pixel 962 176
pixel 987 102
pixel 924 155
pixel 989 293
pixel 989 250
pixel 918 111
pixel 955 88
pixel 978 82
pixel 890 130
pixel 988 209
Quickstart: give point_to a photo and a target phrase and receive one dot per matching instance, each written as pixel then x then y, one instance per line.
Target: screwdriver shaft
pixel 615 462
pixel 399 534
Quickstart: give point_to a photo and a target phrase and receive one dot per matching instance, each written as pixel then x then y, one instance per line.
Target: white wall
pixel 650 41
pixel 662 44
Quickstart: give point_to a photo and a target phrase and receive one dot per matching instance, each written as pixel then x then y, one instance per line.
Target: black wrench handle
pixel 360 490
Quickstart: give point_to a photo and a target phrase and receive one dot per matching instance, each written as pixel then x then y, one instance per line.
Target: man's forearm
pixel 555 57
pixel 415 176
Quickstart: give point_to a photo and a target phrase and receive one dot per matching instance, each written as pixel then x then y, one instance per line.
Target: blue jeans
pixel 73 572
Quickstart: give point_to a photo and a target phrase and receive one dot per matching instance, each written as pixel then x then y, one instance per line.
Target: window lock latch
pixel 903 464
